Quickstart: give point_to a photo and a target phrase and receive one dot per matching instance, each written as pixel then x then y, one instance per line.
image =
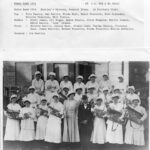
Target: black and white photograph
pixel 75 105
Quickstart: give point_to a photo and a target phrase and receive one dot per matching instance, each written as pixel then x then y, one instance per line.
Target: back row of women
pixel 84 117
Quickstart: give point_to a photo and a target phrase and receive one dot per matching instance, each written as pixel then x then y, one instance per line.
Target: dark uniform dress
pixel 84 113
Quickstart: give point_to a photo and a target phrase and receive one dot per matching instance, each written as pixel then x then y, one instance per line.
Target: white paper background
pixel 133 8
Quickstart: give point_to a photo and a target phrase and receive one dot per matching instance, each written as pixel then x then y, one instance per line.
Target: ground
pixel 38 145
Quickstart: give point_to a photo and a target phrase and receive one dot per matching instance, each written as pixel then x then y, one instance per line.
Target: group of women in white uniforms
pixel 42 106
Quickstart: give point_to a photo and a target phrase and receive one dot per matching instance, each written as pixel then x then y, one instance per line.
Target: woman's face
pixel 43 103
pixel 135 102
pixel 105 92
pixel 92 79
pixel 120 79
pixel 99 101
pixel 31 90
pixel 91 91
pixel 71 97
pixel 27 104
pixel 131 91
pixel 105 78
pixel 66 78
pixel 79 80
pixel 115 99
pixel 52 77
pixel 79 91
pixel 13 100
pixel 38 76
pixel 56 98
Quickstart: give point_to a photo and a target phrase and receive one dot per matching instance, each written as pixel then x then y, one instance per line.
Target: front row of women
pixel 81 122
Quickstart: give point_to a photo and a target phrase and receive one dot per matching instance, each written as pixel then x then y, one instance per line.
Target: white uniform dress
pixel 114 132
pixel 130 97
pixel 41 124
pixel 27 125
pixel 99 130
pixel 92 97
pixel 38 85
pixel 12 125
pixel 106 98
pixel 67 84
pixel 104 84
pixel 79 85
pixel 53 129
pixel 50 88
pixel 135 133
pixel 93 84
pixel 121 85
pixel 78 97
pixel 34 99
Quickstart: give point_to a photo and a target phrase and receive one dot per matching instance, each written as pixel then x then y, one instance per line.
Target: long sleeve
pixel 46 85
pixel 57 86
pixel 61 85
pixel 21 113
pixel 42 85
pixel 32 114
pixel 144 114
pixel 70 86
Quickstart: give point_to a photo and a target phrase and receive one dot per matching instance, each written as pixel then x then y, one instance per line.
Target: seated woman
pixel 51 86
pixel 79 84
pixel 38 83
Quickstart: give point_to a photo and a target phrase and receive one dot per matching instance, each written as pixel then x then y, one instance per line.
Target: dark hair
pixel 84 97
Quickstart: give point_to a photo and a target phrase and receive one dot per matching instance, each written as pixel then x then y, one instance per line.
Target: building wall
pixel 9 74
pixel 24 73
pixel 100 69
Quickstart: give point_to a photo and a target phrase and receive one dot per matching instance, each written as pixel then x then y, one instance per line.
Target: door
pixel 85 69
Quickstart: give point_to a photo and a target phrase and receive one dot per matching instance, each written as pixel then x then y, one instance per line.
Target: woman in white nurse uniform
pixel 51 86
pixel 53 129
pixel 114 132
pixel 135 132
pixel 12 125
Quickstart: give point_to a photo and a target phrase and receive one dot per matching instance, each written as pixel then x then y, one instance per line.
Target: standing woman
pixel 12 125
pixel 42 114
pixel 99 130
pixel 38 83
pixel 53 129
pixel 51 86
pixel 27 133
pixel 135 131
pixel 114 132
pixel 71 130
